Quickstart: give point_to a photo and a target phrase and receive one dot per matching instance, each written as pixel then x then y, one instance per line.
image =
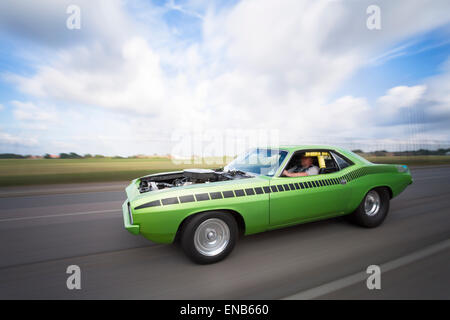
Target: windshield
pixel 258 161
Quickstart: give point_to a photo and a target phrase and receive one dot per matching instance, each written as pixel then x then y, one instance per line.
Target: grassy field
pixel 52 171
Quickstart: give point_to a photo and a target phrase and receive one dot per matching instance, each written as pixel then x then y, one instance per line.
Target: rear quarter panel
pixel 361 180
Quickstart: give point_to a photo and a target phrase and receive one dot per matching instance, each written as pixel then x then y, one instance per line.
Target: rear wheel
pixel 209 237
pixel 373 209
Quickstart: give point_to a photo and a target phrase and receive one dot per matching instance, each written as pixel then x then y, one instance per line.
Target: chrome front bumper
pixel 128 219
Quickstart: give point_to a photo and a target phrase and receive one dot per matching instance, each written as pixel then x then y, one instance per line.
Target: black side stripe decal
pixel 155 203
pixel 249 191
pixel 188 198
pixel 228 194
pixel 259 190
pixel 349 176
pixel 202 196
pixel 215 195
pixel 167 201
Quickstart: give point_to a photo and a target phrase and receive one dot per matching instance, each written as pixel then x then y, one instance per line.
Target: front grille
pixel 129 213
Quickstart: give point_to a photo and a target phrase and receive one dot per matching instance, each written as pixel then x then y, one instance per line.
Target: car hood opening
pixel 187 177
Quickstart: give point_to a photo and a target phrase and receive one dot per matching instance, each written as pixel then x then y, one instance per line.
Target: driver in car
pixel 307 168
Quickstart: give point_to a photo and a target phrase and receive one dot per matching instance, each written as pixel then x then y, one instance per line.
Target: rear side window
pixel 342 163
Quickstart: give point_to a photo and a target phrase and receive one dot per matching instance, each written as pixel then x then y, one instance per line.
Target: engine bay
pixel 187 177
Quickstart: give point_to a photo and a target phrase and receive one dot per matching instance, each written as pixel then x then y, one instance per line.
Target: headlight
pixel 403 168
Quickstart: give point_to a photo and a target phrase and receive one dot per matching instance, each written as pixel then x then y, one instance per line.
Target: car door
pixel 298 199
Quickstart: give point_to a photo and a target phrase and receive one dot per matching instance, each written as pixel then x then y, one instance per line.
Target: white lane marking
pixel 362 276
pixel 60 215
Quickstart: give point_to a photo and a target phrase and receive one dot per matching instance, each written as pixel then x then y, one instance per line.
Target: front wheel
pixel 373 209
pixel 209 237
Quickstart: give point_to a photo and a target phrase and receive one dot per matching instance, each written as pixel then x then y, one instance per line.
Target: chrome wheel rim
pixel 372 203
pixel 211 237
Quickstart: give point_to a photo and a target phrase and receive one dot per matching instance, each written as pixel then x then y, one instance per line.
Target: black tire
pixel 373 218
pixel 217 220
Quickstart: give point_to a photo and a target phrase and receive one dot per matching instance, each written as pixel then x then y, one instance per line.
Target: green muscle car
pixel 263 189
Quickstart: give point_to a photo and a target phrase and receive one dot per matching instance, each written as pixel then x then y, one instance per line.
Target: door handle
pixel 343 181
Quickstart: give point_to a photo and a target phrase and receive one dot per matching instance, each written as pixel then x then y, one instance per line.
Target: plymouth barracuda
pixel 207 210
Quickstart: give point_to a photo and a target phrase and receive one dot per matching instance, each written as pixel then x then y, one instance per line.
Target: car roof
pixel 300 147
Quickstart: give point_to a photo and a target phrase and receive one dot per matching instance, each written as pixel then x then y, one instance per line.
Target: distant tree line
pixel 13 156
pixel 70 155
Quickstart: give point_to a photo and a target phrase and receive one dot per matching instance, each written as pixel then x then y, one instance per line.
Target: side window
pixel 342 163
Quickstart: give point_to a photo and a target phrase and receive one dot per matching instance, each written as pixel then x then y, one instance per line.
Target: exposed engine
pixel 187 177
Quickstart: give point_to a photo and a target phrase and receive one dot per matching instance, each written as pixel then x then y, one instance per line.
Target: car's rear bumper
pixel 127 219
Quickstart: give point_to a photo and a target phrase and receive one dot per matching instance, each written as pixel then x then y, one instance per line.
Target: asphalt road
pixel 43 230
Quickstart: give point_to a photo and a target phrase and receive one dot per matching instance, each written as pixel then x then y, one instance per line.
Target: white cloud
pixel 171 5
pixel 439 92
pixel 45 22
pixel 402 96
pixel 9 139
pixel 388 106
pixel 258 64
pixel 29 111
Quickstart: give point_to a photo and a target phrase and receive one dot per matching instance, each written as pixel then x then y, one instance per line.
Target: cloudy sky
pixel 137 72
